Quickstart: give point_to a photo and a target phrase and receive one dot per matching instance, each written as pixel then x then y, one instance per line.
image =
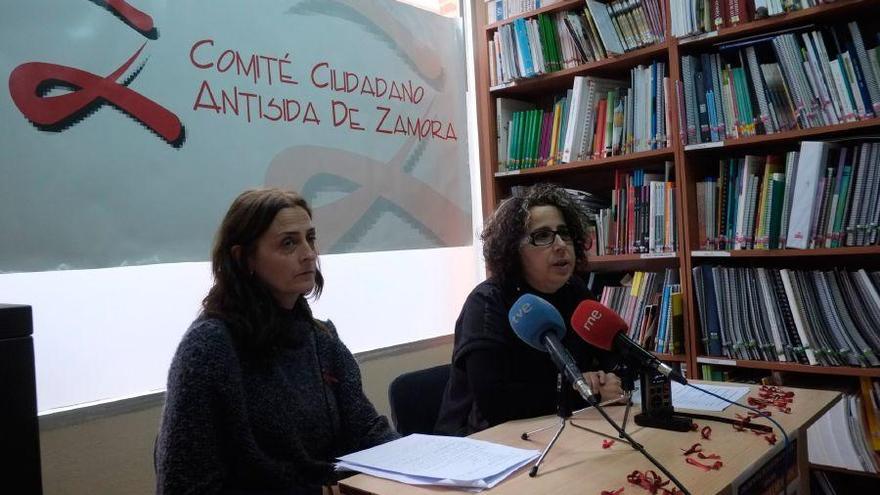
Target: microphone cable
pixel 762 414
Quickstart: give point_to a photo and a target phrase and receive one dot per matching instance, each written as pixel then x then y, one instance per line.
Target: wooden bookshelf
pixel 629 262
pixel 560 79
pixel 671 358
pixel 690 166
pixel 835 469
pixel 610 162
pixel 849 252
pixel 820 13
pixel 690 162
pixel 556 7
pixel 790 367
pixel 787 137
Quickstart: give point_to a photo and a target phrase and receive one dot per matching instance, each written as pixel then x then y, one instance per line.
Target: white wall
pixel 110 333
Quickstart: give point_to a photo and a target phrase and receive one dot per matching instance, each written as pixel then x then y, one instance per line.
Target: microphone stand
pixel 563 412
pixel 628 439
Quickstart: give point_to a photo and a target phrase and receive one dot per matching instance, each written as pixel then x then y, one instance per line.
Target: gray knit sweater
pixel 267 424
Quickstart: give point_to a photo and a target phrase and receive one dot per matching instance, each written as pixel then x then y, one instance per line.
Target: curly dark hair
pixel 506 229
pixel 242 301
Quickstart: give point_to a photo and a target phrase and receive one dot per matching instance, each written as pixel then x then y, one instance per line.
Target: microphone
pixel 603 328
pixel 537 323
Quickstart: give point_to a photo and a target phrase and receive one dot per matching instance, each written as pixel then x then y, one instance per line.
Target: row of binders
pixel 827 318
pixel 693 17
pixel 550 42
pixel 651 305
pixel 826 195
pixel 597 118
pixel 779 82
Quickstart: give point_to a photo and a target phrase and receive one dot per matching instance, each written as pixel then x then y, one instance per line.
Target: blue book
pixel 522 45
pixel 662 322
pixel 713 115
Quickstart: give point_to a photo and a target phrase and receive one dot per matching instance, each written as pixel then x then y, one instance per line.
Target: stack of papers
pixel 438 460
pixel 684 397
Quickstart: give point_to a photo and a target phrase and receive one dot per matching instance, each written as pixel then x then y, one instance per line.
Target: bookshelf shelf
pixel 672 358
pixel 556 7
pixel 629 262
pixel 791 367
pixel 787 137
pixel 823 12
pixel 554 171
pixel 563 78
pixel 835 469
pixel 857 251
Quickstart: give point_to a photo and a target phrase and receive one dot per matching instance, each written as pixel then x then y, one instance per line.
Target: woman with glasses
pixel 532 244
pixel 262 397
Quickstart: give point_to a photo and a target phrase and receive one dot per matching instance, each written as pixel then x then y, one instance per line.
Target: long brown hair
pixel 241 300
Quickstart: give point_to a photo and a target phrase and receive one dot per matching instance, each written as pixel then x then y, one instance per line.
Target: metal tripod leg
pixel 619 436
pixel 561 426
pixel 526 435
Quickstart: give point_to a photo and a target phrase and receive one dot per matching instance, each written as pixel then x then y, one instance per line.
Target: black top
pixel 495 376
pixel 15 321
pixel 268 423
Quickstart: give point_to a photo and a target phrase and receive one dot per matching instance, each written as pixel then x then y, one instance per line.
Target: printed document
pixel 440 460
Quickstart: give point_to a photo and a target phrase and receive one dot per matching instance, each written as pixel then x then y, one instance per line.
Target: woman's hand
pixel 606 385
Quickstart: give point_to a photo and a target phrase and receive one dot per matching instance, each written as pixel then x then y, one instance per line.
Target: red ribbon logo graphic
pixel 136 19
pixel 373 180
pixel 29 82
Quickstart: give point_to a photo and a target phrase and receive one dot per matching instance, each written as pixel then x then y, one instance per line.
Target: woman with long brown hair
pixel 261 396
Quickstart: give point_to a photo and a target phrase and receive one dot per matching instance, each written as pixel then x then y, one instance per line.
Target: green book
pixel 534 130
pixel 845 180
pixel 545 43
pixel 554 42
pixel 527 132
pixel 518 138
pixel 512 142
pixel 549 38
pixel 777 193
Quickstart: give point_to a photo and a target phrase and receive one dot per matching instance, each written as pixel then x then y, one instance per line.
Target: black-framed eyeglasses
pixel 546 237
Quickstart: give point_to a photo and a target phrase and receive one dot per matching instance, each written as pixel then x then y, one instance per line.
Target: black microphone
pixel 603 328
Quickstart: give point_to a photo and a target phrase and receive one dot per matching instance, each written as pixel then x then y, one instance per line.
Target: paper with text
pixel 684 397
pixel 442 460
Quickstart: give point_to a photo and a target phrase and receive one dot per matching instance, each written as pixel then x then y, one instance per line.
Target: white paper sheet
pixel 684 397
pixel 440 460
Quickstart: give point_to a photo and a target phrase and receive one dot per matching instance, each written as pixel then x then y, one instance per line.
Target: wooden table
pixel 579 464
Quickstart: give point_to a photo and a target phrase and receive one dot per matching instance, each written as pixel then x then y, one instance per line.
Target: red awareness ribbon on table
pixel 28 82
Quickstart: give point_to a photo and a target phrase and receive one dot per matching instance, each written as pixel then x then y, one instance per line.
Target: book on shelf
pixel 548 42
pixel 800 79
pixel 818 317
pixel 650 303
pixel 825 195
